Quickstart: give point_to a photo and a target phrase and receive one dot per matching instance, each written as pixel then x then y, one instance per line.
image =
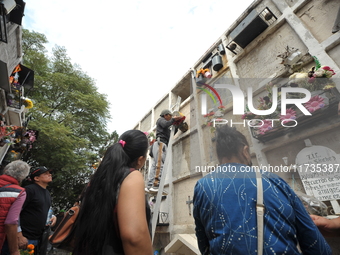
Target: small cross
pixel 188 203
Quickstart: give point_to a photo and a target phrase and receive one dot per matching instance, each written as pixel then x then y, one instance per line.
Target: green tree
pixel 71 117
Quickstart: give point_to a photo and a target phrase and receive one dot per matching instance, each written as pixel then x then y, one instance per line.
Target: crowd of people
pixel 115 215
pixel 24 210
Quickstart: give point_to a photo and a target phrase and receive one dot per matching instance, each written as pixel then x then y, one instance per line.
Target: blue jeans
pixel 5 249
pixel 34 242
pixel 154 178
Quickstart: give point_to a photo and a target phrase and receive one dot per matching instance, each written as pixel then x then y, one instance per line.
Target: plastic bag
pixel 312 204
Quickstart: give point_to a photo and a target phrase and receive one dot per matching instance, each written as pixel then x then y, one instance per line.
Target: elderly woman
pixel 12 197
pixel 225 203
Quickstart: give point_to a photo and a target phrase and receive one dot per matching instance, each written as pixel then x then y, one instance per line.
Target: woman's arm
pixel 131 214
pixel 202 240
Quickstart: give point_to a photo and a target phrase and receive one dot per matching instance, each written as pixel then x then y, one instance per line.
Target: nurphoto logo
pixel 239 105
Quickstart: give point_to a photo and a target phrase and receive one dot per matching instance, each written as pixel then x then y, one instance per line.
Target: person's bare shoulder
pixel 135 178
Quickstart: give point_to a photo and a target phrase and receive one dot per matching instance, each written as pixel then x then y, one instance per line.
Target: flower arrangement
pixel 212 116
pixel 290 115
pixel 315 103
pixel 317 80
pixel 209 117
pixel 265 127
pixel 8 134
pixel 29 138
pixel 205 72
pixel 264 103
pixel 322 72
pixel 151 137
pixel 28 251
pixel 27 102
pixel 248 115
pixel 12 156
pixel 13 99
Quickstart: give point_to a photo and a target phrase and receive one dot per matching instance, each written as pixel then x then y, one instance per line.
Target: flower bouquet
pixel 180 124
pixel 202 75
pixel 28 251
pixel 324 97
pixel 317 78
pixel 27 102
pixel 151 137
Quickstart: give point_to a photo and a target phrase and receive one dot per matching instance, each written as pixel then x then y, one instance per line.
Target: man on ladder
pixel 159 149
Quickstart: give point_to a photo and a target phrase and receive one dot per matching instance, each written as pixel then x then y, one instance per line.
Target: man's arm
pixel 163 123
pixel 11 234
pixel 327 227
pixel 22 241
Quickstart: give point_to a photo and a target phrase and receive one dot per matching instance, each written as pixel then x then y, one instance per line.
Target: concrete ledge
pixel 182 243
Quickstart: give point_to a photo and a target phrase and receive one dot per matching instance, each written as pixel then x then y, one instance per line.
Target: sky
pixel 136 51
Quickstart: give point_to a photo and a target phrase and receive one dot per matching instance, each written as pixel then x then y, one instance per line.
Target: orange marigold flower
pixel 30 247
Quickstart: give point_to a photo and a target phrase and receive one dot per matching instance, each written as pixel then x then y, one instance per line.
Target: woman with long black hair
pixel 114 212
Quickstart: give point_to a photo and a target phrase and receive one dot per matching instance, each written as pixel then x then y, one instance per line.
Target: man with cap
pixel 35 210
pixel 159 149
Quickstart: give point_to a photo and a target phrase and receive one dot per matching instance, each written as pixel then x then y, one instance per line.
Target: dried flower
pixel 328 87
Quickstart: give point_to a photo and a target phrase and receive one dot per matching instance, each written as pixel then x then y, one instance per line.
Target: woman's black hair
pixel 96 224
pixel 229 142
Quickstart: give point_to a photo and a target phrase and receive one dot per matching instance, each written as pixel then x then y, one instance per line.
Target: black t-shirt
pixel 163 129
pixel 34 211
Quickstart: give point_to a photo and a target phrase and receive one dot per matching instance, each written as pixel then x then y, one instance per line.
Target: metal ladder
pixel 166 166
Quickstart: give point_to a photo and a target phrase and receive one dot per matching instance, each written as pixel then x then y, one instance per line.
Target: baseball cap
pixel 38 171
pixel 165 112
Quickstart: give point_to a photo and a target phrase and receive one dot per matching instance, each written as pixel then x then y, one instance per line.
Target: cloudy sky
pixel 136 51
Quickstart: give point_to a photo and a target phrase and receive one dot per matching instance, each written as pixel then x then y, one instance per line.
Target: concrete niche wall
pixel 145 124
pixel 328 138
pixel 186 156
pixel 265 55
pixel 181 160
pixel 10 52
pixel 315 15
pixel 183 219
pixel 334 53
pixel 291 2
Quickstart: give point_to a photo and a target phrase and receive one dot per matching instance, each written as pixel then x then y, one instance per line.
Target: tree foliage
pixel 70 115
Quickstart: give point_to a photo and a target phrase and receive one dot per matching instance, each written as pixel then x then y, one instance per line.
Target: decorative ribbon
pixel 209 93
pixel 215 92
pixel 122 143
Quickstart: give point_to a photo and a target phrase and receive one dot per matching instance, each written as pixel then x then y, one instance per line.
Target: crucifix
pixel 188 203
